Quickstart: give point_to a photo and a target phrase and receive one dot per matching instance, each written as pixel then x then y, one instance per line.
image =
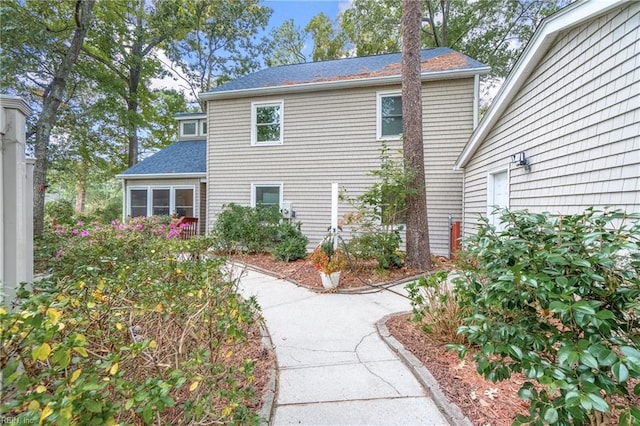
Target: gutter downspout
pixel 476 100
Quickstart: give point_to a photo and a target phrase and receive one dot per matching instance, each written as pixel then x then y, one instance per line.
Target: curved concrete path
pixel 334 369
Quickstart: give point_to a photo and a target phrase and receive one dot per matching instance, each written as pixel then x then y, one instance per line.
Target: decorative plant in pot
pixel 330 262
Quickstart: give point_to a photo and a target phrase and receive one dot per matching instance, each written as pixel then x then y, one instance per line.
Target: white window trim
pixel 201 126
pixel 172 197
pixel 257 184
pixel 190 135
pixel 254 132
pixel 379 97
pixel 491 186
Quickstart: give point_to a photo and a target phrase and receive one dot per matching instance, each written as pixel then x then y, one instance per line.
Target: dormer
pixel 192 125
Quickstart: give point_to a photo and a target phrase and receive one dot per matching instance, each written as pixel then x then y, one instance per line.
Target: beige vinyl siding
pixel 331 137
pixel 577 118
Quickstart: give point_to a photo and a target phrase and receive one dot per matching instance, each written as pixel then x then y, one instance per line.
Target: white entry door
pixel 497 196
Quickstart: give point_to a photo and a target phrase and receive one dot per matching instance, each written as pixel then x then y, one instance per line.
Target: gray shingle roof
pixel 179 157
pixel 433 60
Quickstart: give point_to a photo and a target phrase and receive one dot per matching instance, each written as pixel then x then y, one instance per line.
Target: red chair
pixel 188 227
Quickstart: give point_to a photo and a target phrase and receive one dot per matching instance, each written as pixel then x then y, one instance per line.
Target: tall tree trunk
pixel 51 101
pixel 132 128
pixel 418 253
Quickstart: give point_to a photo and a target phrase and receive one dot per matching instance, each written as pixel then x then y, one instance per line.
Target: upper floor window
pixel 389 115
pixel 203 127
pixel 266 123
pixel 189 128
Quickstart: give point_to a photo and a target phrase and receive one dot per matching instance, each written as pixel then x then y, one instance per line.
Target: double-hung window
pixel 389 115
pixel 266 123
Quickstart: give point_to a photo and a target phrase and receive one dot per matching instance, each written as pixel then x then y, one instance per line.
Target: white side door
pixel 497 196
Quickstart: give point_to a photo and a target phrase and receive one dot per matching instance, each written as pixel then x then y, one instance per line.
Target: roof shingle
pixel 179 157
pixel 433 60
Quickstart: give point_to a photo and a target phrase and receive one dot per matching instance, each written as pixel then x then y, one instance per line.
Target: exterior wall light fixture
pixel 520 159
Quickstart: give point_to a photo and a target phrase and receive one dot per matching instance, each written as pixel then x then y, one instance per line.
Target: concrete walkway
pixel 334 369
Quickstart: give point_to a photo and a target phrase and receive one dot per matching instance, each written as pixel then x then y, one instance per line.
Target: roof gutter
pixel 533 52
pixel 161 175
pixel 339 84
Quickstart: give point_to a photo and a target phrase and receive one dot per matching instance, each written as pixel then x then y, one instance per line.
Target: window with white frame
pixel 161 201
pixel 138 202
pixel 203 127
pixel 266 123
pixel 389 115
pixel 189 128
pixel 266 194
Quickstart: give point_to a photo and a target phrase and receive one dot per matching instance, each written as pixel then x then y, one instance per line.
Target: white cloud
pixel 174 79
pixel 344 5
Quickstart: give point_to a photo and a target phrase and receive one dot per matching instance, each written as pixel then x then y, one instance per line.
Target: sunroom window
pixel 184 202
pixel 266 123
pixel 138 203
pixel 161 201
pixel 389 115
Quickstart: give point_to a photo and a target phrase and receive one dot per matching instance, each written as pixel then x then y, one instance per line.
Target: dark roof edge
pixel 340 84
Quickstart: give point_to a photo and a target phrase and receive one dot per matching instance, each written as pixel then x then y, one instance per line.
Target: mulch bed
pixel 363 275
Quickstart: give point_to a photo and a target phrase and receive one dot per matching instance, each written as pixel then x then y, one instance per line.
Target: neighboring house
pixel 282 135
pixel 173 179
pixel 16 199
pixel 563 133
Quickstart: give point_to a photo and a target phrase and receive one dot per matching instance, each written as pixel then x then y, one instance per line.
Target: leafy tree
pixel 418 254
pixel 127 34
pixel 41 43
pixel 221 42
pixel 328 42
pixel 372 26
pixel 491 31
pixel 287 43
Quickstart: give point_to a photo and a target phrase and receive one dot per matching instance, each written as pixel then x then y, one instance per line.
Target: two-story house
pixel 283 135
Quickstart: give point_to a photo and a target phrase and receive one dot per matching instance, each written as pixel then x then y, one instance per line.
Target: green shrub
pixel 251 229
pixel 435 307
pixel 112 210
pixel 383 246
pixel 127 331
pixel 557 298
pixel 61 210
pixel 291 243
pixel 381 210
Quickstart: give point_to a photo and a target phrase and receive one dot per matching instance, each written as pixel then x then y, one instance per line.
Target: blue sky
pixel 300 10
pixel 303 10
